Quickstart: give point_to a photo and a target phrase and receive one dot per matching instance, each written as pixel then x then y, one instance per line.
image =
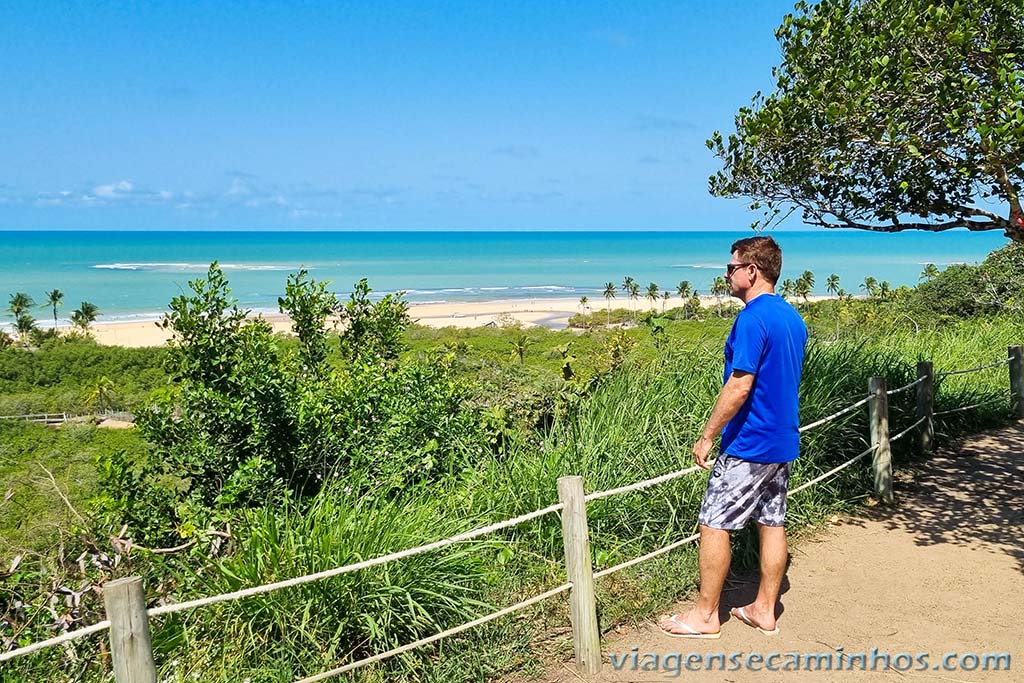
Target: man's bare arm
pixel 730 399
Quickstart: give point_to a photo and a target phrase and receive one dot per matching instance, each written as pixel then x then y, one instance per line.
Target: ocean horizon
pixel 132 275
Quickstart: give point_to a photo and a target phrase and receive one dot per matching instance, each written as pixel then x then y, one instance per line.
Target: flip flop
pixel 690 631
pixel 742 616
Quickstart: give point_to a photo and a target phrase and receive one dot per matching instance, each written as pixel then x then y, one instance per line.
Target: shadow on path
pixel 968 494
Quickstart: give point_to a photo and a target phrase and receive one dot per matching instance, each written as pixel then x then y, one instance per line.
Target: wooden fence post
pixel 1017 381
pixel 130 646
pixel 878 417
pixel 926 407
pixel 582 601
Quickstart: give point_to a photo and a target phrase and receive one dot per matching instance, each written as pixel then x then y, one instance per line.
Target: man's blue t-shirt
pixel 768 340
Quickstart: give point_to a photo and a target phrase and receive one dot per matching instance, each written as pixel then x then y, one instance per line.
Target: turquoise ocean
pixel 133 275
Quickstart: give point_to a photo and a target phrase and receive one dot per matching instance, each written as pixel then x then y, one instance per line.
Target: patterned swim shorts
pixel 740 490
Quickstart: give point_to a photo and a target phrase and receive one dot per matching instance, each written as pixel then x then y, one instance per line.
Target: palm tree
pixel 103 394
pixel 665 296
pixel 929 272
pixel 627 285
pixel 652 293
pixel 520 343
pixel 609 294
pixel 832 284
pixel 787 288
pixel 583 305
pixel 808 277
pixel 694 303
pixel 802 288
pixel 719 288
pixel 24 324
pixel 634 294
pixel 884 290
pixel 683 289
pixel 19 303
pixel 84 316
pixel 870 286
pixel 54 299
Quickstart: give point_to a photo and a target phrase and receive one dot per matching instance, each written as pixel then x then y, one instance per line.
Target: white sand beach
pixel 536 312
pixel 553 313
pixel 529 312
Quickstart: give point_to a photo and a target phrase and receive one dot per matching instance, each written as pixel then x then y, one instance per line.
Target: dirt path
pixel 942 573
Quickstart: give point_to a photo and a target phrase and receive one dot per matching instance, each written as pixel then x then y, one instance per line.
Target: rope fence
pixel 434 638
pixel 127 633
pixel 598 495
pixel 907 430
pixel 328 573
pixel 56 640
pixel 950 373
pixel 905 387
pixel 844 411
pixel 834 470
pixel 999 399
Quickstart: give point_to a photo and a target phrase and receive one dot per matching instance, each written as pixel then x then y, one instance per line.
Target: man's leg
pixel 774 555
pixel 715 556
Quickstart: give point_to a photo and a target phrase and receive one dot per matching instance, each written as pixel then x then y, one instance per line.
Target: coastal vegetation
pixel 887 115
pixel 257 458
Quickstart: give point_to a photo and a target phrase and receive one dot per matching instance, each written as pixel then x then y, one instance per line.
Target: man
pixel 757 413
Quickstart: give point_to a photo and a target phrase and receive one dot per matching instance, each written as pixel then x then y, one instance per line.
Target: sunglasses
pixel 730 268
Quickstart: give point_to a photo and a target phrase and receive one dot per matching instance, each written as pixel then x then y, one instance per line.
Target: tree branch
pixel 974 226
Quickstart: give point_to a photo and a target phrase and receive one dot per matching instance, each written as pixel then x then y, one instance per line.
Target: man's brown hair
pixel 764 252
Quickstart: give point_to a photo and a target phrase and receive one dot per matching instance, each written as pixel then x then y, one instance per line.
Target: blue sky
pixel 374 115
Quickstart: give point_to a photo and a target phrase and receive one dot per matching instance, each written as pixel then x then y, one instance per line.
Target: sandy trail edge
pixel 942 572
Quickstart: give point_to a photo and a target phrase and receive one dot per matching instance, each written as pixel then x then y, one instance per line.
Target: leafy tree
pixel 224 431
pixel 54 299
pixel 962 290
pixel 308 304
pixel 609 294
pixel 373 331
pixel 887 115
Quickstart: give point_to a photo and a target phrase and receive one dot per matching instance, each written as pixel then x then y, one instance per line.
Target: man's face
pixel 739 274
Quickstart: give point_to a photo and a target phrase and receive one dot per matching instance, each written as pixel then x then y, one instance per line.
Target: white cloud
pixel 117 190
